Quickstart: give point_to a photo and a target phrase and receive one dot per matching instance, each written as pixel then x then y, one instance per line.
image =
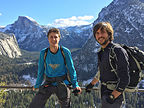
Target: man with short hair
pixel 111 96
pixel 55 71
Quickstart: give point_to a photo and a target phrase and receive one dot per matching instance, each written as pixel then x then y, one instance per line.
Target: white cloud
pixel 85 17
pixel 0 14
pixel 72 21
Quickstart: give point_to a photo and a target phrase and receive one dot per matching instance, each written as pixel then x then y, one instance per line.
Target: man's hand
pixel 110 99
pixel 33 89
pixel 89 87
pixel 77 91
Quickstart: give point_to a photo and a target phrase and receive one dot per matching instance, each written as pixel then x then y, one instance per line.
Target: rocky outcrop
pixel 9 46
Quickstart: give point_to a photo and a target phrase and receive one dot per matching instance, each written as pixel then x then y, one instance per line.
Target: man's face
pixel 102 37
pixel 53 39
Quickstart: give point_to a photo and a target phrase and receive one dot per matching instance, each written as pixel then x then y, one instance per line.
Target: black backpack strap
pixel 45 55
pixel 113 59
pixel 68 76
pixel 63 55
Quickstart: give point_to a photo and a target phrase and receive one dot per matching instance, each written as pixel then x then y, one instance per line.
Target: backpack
pixel 136 65
pixel 45 55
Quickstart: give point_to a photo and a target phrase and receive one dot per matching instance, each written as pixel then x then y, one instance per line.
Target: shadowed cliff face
pixel 9 46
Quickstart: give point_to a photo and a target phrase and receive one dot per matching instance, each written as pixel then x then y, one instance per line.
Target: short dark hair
pixel 104 26
pixel 55 30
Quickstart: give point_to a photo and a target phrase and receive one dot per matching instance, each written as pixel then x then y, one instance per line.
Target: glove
pixel 75 92
pixel 88 87
pixel 110 99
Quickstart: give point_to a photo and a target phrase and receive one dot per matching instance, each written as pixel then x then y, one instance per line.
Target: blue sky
pixel 52 12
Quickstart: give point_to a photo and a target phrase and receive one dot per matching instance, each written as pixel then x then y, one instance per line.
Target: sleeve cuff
pixel 75 85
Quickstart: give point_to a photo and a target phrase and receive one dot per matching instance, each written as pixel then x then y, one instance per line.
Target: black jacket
pixel 122 70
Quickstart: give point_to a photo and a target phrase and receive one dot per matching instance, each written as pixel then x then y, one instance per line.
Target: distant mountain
pixel 9 46
pixel 127 19
pixel 76 36
pixel 32 37
pixel 29 34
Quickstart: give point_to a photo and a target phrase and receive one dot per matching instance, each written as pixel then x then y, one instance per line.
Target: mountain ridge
pixel 127 21
pixel 33 37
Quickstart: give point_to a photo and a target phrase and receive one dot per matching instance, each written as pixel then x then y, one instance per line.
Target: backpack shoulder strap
pixel 63 54
pixel 45 55
pixel 113 59
pixel 68 76
pixel 46 50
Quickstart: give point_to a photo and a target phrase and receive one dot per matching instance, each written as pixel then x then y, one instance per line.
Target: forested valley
pixel 11 73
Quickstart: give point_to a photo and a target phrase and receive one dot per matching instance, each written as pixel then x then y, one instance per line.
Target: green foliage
pixel 3 95
pixel 13 73
pixel 134 100
pixel 22 99
pixel 12 70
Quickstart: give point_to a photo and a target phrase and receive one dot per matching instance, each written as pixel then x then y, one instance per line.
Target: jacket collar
pixel 107 47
